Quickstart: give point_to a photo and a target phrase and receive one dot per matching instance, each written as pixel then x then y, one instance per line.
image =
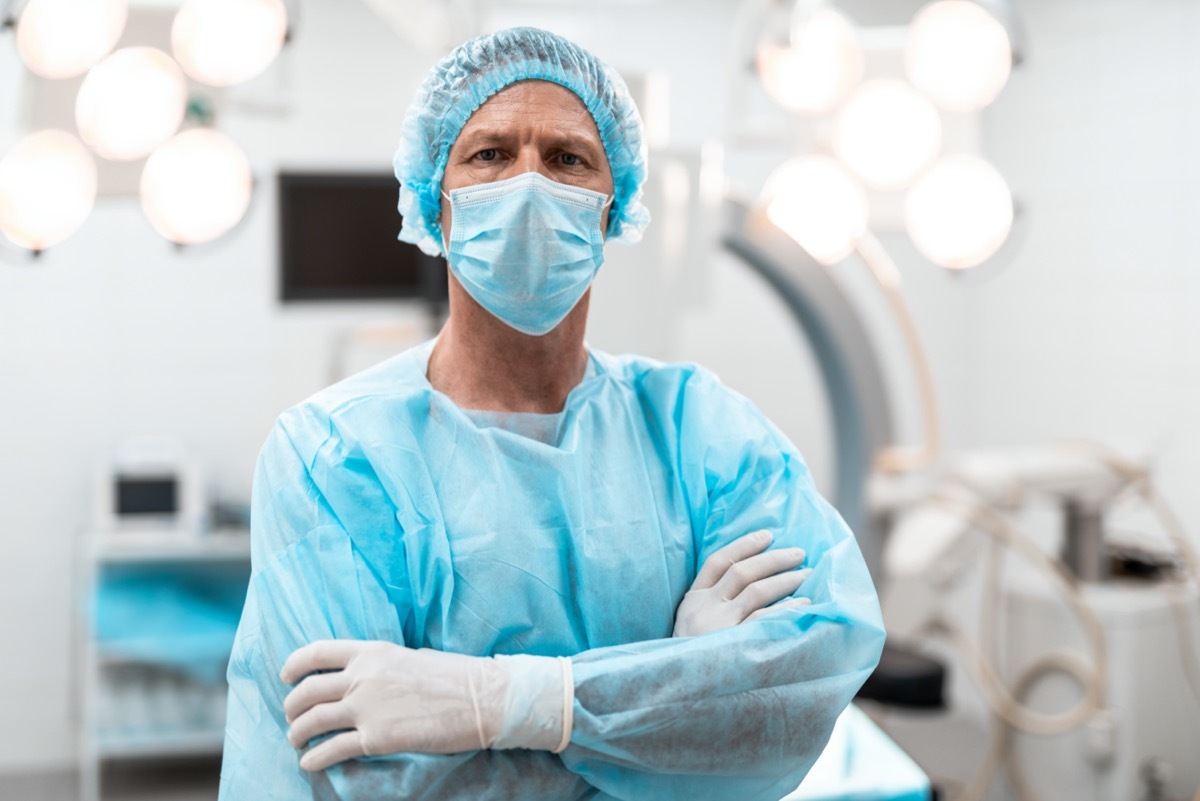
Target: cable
pixel 1000 752
pixel 1139 478
pixel 1009 712
pixel 883 269
pixel 1007 757
pixel 1003 703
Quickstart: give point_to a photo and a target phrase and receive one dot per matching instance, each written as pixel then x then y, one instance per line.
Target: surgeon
pixel 504 565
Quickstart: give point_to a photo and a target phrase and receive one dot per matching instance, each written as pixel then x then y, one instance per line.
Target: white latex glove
pixel 739 583
pixel 384 698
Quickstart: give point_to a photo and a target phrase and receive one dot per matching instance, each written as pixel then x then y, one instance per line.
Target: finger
pixel 720 560
pixel 321 719
pixel 790 603
pixel 317 688
pixel 337 748
pixel 741 575
pixel 762 594
pixel 319 655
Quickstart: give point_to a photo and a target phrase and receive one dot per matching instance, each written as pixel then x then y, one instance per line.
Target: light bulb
pixel 47 189
pixel 959 213
pixel 818 68
pixel 130 103
pixel 64 38
pixel 958 54
pixel 196 187
pixel 224 42
pixel 815 201
pixel 887 133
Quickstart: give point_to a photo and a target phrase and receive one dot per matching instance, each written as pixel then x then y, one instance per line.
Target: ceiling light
pixel 47 189
pixel 960 212
pixel 196 187
pixel 225 42
pixel 816 202
pixel 819 66
pixel 887 132
pixel 130 103
pixel 958 54
pixel 64 38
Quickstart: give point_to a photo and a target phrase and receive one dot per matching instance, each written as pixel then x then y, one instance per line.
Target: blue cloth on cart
pixel 178 616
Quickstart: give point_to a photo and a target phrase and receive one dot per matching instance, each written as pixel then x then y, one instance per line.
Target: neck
pixel 481 363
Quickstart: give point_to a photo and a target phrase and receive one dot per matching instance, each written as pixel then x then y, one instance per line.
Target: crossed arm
pixel 738 712
pixel 382 698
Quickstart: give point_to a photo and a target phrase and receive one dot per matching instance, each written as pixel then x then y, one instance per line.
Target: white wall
pixel 1093 330
pixel 113 334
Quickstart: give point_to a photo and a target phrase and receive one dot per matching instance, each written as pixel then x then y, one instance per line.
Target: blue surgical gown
pixel 383 511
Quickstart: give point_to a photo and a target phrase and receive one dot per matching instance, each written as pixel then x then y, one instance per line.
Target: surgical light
pixel 196 187
pixel 815 201
pixel 47 189
pixel 64 38
pixel 958 54
pixel 821 64
pixel 960 212
pixel 130 103
pixel 225 42
pixel 887 133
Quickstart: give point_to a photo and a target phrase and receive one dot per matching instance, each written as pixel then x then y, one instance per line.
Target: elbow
pixel 871 635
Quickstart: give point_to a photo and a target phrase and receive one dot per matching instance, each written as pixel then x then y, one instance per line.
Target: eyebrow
pixel 562 137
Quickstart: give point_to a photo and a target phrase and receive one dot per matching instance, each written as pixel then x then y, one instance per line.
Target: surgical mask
pixel 527 248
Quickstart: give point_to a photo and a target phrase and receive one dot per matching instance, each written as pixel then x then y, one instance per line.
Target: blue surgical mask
pixel 527 248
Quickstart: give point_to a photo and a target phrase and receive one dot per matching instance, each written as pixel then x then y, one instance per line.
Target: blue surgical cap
pixel 474 71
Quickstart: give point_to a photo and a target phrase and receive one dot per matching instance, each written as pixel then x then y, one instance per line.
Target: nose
pixel 529 159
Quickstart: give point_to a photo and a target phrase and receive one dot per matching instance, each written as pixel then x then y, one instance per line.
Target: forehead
pixel 531 104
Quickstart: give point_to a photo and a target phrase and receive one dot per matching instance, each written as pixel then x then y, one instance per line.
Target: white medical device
pixel 1132 635
pixel 150 485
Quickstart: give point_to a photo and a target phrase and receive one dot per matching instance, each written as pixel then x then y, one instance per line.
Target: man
pixel 502 565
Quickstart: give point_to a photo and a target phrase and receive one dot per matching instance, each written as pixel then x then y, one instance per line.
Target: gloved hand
pixel 390 699
pixel 740 582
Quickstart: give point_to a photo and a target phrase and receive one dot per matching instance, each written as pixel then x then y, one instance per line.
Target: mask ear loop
pixel 607 204
pixel 445 233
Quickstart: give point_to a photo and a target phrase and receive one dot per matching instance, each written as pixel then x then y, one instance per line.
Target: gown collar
pixel 548 429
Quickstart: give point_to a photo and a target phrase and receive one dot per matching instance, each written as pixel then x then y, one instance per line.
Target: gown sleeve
pixel 744 712
pixel 309 582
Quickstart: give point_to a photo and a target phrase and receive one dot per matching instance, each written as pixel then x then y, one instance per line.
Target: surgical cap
pixel 480 68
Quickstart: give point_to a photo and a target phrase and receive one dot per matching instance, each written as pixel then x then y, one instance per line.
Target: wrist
pixel 537 704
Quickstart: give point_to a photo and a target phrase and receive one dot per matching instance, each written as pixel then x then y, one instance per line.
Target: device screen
pixel 147 495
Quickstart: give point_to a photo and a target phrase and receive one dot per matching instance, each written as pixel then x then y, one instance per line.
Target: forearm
pixel 483 775
pixel 260 765
pixel 741 712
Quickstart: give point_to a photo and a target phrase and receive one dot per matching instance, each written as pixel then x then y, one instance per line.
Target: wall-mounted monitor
pixel 337 241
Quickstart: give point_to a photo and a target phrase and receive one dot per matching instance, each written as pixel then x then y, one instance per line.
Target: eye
pixel 571 160
pixel 487 155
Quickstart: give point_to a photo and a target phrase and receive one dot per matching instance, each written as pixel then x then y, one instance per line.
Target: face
pixel 531 126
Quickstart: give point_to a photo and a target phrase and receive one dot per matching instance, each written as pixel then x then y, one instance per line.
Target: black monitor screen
pixel 147 495
pixel 338 241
